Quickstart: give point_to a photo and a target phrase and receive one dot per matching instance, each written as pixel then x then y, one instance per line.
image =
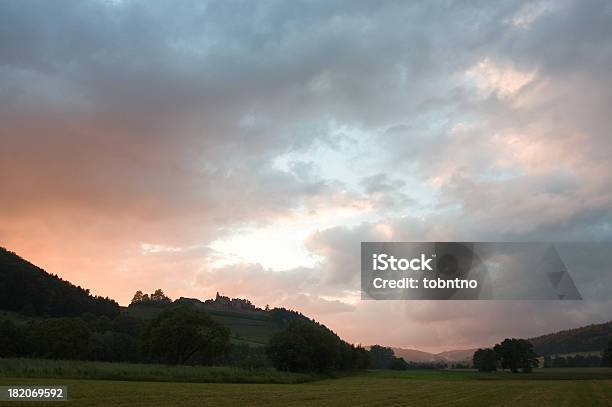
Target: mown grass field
pixel 72 369
pixel 578 388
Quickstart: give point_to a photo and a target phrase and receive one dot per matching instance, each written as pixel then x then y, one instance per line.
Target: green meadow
pixel 545 387
pixel 73 369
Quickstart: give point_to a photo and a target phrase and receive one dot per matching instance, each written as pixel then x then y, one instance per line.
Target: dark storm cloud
pixel 161 108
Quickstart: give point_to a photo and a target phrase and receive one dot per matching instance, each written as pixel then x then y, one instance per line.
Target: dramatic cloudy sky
pixel 249 147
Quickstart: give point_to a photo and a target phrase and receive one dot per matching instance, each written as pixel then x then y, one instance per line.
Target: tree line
pixel 311 347
pixel 513 354
pixel 382 357
pixel 177 335
pixel 518 354
pixel 157 297
pixel 573 361
pixel 181 333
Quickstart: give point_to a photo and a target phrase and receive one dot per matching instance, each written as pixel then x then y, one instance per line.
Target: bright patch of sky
pixel 347 157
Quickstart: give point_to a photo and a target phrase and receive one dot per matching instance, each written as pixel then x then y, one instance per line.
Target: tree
pixel 381 357
pixel 61 338
pixel 307 346
pixel 159 296
pixel 516 354
pixel 113 347
pixel 304 347
pixel 185 335
pixel 137 297
pixel 155 299
pixel 398 364
pixel 485 360
pixel 606 357
pixel 13 340
pixel 361 357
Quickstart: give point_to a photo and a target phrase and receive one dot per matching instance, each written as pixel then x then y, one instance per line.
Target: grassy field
pixel 67 369
pixel 369 389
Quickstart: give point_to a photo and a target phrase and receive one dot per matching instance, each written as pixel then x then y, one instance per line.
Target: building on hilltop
pixel 227 303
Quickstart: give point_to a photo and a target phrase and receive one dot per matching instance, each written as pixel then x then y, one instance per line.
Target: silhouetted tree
pixel 361 358
pixel 398 364
pixel 606 357
pixel 114 347
pixel 156 299
pixel 485 360
pixel 13 340
pixel 61 338
pixel 516 354
pixel 159 296
pixel 381 357
pixel 137 297
pixel 306 346
pixel 303 347
pixel 185 335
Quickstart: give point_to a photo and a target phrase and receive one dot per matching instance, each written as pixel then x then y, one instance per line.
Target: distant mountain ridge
pixel 452 356
pixel 589 338
pixel 460 355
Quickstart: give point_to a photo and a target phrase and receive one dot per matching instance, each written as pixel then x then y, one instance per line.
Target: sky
pixel 249 147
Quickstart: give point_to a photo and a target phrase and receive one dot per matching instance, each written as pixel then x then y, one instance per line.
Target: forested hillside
pixel 590 338
pixel 43 316
pixel 251 328
pixel 30 290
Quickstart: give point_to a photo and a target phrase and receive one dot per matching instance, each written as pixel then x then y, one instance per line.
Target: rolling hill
pixel 590 338
pixel 414 355
pixel 461 355
pixel 247 327
pixel 27 291
pixel 585 340
pixel 30 290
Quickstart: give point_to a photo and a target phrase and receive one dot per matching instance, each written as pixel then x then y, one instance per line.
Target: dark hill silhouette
pixel 248 324
pixel 418 356
pixel 30 290
pixel 590 338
